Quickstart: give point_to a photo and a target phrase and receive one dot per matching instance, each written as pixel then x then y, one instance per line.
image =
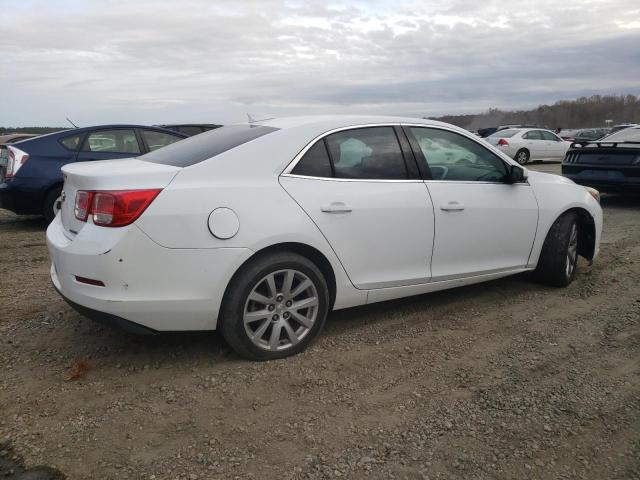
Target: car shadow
pixel 109 346
pixel 19 223
pixel 620 201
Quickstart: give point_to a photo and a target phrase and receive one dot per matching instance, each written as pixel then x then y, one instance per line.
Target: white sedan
pixel 527 144
pixel 259 230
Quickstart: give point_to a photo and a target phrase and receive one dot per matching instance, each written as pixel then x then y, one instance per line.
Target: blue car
pixel 33 179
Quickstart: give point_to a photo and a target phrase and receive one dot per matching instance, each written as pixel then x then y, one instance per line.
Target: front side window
pixel 112 141
pixel 549 136
pixel 451 156
pixel 156 140
pixel 367 153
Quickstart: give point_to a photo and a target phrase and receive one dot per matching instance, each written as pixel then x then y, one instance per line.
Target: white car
pixel 526 144
pixel 259 230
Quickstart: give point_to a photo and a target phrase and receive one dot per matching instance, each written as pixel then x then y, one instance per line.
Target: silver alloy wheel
pixel 57 205
pixel 280 310
pixel 572 251
pixel 521 157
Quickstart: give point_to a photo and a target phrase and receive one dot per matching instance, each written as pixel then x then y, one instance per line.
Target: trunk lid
pixel 125 174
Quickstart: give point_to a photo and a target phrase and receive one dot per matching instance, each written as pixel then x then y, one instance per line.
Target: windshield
pixel 504 133
pixel 631 134
pixel 201 147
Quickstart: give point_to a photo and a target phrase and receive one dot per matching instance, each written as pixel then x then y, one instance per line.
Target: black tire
pixel 231 323
pixel 522 156
pixel 557 263
pixel 52 198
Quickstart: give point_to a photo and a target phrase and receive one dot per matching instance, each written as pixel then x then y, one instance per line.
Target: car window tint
pixel 156 140
pixel 112 141
pixel 504 133
pixel 548 136
pixel 198 148
pixel 367 153
pixel 532 135
pixel 71 142
pixel 190 130
pixel 451 156
pixel 314 163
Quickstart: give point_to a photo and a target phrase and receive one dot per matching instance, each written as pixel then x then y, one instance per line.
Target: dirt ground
pixel 502 380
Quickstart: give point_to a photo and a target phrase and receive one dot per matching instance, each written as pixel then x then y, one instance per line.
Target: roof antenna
pixel 74 125
pixel 253 120
pixel 250 118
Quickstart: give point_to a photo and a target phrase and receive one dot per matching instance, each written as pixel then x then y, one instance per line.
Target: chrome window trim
pixel 287 171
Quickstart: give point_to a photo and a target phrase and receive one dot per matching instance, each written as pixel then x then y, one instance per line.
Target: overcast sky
pixel 156 61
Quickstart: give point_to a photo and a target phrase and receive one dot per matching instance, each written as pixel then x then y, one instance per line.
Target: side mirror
pixel 516 174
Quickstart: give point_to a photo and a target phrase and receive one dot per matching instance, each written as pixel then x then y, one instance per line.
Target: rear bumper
pixel 18 201
pixel 153 287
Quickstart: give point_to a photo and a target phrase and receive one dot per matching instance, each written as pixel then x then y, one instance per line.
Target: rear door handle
pixel 452 206
pixel 336 207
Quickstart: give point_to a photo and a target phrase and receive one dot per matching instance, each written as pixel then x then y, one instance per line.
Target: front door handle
pixel 452 206
pixel 336 207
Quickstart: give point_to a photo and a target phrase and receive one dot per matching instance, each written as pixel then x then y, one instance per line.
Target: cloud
pixel 161 61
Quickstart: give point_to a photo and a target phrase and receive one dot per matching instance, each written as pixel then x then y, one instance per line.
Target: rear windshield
pixel 504 133
pixel 198 148
pixel 626 135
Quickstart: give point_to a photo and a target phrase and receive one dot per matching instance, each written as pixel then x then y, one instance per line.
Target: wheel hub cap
pixel 280 310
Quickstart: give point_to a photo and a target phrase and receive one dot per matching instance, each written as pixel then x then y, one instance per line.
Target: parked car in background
pixel 622 126
pixel 191 129
pixel 259 230
pixel 527 144
pixel 485 132
pixel 33 179
pixel 585 134
pixel 611 164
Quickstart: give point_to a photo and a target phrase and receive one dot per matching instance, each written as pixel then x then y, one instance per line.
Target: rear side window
pixel 156 140
pixel 367 153
pixel 112 141
pixel 209 144
pixel 549 136
pixel 71 143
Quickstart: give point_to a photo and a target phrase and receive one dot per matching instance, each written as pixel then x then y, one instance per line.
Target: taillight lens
pixel 503 142
pixel 113 208
pixel 83 204
pixel 16 159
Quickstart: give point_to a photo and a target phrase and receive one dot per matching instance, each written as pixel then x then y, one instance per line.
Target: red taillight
pixel 83 204
pixel 113 208
pixel 16 159
pixel 503 142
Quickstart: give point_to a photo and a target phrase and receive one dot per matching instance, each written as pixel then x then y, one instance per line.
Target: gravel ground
pixel 507 379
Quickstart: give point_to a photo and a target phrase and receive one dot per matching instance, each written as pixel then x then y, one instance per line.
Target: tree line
pixel 583 112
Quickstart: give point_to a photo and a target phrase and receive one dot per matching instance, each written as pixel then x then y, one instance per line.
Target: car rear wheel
pixel 559 256
pixel 52 204
pixel 522 156
pixel 274 307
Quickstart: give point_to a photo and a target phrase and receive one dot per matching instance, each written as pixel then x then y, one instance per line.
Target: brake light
pixel 16 159
pixel 83 204
pixel 113 208
pixel 503 142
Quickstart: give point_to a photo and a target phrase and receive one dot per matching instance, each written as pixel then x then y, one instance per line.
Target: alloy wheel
pixel 572 251
pixel 280 310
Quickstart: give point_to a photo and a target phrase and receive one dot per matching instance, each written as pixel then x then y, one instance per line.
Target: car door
pixel 107 144
pixel 555 146
pixel 535 144
pixel 482 224
pixel 365 195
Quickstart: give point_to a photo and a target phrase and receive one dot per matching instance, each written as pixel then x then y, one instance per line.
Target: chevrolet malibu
pixel 259 230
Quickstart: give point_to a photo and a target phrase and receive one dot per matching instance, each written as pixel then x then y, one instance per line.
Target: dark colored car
pixel 191 129
pixel 611 164
pixel 33 179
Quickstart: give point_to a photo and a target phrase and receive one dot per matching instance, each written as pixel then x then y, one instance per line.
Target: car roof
pixel 324 123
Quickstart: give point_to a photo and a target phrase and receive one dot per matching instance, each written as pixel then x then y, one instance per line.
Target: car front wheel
pixel 274 307
pixel 559 256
